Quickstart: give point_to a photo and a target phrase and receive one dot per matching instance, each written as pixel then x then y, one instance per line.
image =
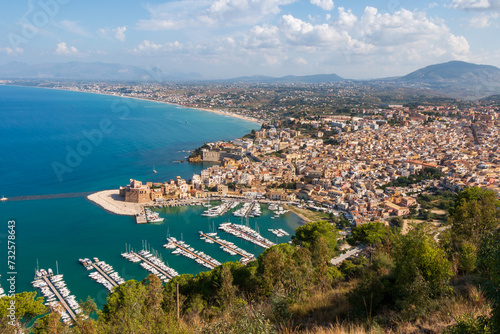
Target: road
pixel 339 259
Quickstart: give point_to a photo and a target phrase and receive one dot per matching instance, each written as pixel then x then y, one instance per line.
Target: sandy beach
pixel 111 201
pixel 220 112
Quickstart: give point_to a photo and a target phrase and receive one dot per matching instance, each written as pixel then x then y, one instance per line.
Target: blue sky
pixel 230 38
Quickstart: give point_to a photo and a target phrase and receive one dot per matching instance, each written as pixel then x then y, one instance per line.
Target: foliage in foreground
pixel 400 281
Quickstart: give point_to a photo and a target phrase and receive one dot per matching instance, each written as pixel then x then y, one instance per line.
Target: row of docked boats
pixel 157 267
pixel 152 217
pixel 249 209
pixel 52 296
pixel 181 248
pixel 277 209
pixel 107 269
pixel 219 210
pixel 246 233
pixel 278 232
pixel 226 246
pixel 152 264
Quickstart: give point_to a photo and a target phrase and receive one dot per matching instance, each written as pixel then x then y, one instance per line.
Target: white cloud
pixel 486 6
pixel 63 49
pixel 483 20
pixel 324 4
pixel 11 51
pixel 346 18
pixel 474 4
pixel 403 37
pixel 148 47
pixel 120 33
pixel 73 27
pixel 155 24
pixel 195 14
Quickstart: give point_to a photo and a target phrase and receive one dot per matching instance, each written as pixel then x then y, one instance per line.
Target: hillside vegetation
pixel 413 283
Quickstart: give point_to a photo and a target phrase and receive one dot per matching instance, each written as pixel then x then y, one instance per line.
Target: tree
pixel 476 213
pixel 308 234
pixel 369 234
pixel 27 307
pixel 284 269
pixel 421 270
pixel 227 291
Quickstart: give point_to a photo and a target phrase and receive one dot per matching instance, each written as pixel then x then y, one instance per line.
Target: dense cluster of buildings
pixel 346 171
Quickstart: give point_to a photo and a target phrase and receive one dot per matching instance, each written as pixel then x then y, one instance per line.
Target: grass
pixel 309 214
pixel 328 312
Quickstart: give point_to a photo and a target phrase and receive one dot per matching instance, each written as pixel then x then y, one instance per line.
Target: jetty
pixel 246 233
pixel 250 208
pixel 47 282
pixel 184 249
pixel 228 247
pixel 105 273
pixel 151 264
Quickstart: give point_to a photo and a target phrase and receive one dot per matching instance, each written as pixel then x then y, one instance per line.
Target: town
pixel 368 168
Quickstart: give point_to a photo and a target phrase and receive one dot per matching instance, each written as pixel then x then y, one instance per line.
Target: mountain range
pixel 456 79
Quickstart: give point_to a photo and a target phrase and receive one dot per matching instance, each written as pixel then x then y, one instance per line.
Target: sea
pixel 58 146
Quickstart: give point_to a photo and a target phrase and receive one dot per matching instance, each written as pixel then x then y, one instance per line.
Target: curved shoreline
pixel 219 112
pixel 110 201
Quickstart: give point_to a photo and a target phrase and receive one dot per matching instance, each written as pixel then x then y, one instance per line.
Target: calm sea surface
pixel 57 142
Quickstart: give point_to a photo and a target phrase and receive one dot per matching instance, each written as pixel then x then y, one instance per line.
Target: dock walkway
pixel 246 233
pixel 146 260
pixel 231 247
pixel 60 298
pixel 109 279
pixel 250 208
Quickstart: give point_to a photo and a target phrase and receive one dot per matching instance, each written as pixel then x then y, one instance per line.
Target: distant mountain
pixel 318 78
pixel 456 79
pixel 89 71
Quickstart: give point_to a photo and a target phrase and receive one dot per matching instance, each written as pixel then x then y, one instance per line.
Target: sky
pixel 231 38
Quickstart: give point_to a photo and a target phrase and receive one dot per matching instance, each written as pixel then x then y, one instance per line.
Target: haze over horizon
pixel 231 38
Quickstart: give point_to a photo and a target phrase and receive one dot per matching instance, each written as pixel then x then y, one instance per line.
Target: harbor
pixel 180 247
pixel 228 247
pixel 58 296
pixel 152 264
pixel 246 233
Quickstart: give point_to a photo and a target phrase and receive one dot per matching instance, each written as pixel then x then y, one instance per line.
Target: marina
pixel 105 274
pixel 58 296
pixel 152 264
pixel 228 247
pixel 180 247
pixel 246 233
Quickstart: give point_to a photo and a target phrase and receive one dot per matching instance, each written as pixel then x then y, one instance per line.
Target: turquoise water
pixel 39 127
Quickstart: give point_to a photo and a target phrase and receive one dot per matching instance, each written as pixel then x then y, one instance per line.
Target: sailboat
pixel 154 170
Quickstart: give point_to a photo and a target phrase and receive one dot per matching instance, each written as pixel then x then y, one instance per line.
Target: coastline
pixel 111 201
pixel 304 218
pixel 219 112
